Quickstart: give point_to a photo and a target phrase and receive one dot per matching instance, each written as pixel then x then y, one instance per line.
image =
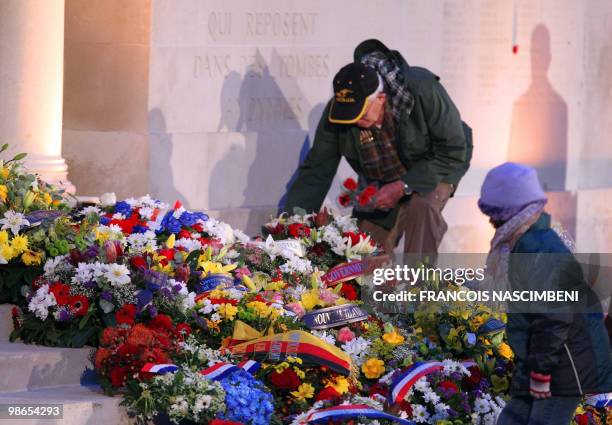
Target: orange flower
pixel 141 336
pixel 101 355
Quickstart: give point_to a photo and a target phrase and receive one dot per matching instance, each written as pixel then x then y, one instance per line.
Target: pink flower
pixel 242 271
pixel 345 335
pixel 297 308
pixel 328 296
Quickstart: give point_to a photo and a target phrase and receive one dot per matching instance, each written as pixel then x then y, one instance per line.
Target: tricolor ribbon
pixel 351 411
pixel 600 401
pixel 220 370
pixel 159 369
pixel 406 380
pixel 215 373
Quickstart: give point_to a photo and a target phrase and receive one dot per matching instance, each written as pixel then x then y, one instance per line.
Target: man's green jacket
pixel 433 144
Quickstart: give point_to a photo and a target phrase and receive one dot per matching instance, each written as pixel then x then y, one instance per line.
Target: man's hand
pixel 539 385
pixel 388 195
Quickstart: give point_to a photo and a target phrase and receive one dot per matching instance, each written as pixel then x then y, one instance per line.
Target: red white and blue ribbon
pixel 215 372
pixel 159 369
pixel 351 411
pixel 250 366
pixel 406 380
pixel 600 401
pixel 220 370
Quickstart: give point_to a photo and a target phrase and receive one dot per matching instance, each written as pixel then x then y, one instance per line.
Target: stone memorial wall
pixel 233 92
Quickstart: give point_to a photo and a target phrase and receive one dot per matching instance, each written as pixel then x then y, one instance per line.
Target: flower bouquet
pixel 362 199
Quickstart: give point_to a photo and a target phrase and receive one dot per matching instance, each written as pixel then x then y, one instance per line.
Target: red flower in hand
pixel 61 292
pixel 364 199
pixel 79 304
pixel 286 380
pixel 350 184
pixel 344 200
pixel 126 314
pixel 370 191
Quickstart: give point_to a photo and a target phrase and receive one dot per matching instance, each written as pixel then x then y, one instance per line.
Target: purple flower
pixel 64 315
pixel 152 310
pixel 106 295
pixel 91 252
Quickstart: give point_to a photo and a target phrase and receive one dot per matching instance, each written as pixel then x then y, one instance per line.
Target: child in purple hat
pixel 559 357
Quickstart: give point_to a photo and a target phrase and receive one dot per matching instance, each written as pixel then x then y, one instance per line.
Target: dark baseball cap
pixel 352 86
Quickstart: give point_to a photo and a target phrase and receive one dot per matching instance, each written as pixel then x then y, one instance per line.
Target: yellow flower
pixel 505 351
pixel 299 372
pixel 310 299
pixel 373 368
pixel 476 322
pixel 303 392
pixel 19 244
pixel 4 172
pixel 339 383
pixel 170 241
pixel 7 252
pixel 248 282
pixel 393 338
pixel 47 198
pixel 4 237
pixel 30 258
pixel 211 267
pixel 3 193
pixel 228 311
pixel 263 310
pixel 280 367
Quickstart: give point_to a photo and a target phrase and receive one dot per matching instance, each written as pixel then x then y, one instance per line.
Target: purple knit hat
pixel 507 189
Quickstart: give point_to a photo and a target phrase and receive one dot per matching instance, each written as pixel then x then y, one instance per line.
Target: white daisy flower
pixel 117 274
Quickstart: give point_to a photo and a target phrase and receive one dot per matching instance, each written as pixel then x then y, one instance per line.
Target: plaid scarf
pixel 379 154
pixel 390 71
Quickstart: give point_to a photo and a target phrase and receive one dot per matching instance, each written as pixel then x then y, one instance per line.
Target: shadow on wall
pixel 275 142
pixel 161 163
pixel 538 132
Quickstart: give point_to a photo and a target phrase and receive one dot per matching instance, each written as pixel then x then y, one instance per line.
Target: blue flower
pixel 124 208
pixel 170 224
pixel 139 229
pixel 247 399
pixel 104 220
pixel 191 218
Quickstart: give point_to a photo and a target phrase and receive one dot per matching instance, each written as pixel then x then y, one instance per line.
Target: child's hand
pixel 539 385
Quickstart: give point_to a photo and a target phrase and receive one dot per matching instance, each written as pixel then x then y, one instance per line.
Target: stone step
pixel 6 321
pixel 24 367
pixel 81 406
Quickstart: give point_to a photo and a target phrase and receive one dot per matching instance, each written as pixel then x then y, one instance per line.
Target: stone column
pixel 31 84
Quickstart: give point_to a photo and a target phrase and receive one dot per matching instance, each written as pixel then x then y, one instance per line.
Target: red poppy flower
pixel 118 376
pixel 286 380
pixel 370 191
pixel 168 253
pixel 183 329
pixel 126 314
pixel 61 292
pixel 79 304
pixel 161 321
pixel 327 394
pixel 344 200
pixel 348 291
pixel 364 199
pixel 298 230
pixel 198 227
pixel 138 262
pixel 350 184
pixel 448 386
pixel 184 234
